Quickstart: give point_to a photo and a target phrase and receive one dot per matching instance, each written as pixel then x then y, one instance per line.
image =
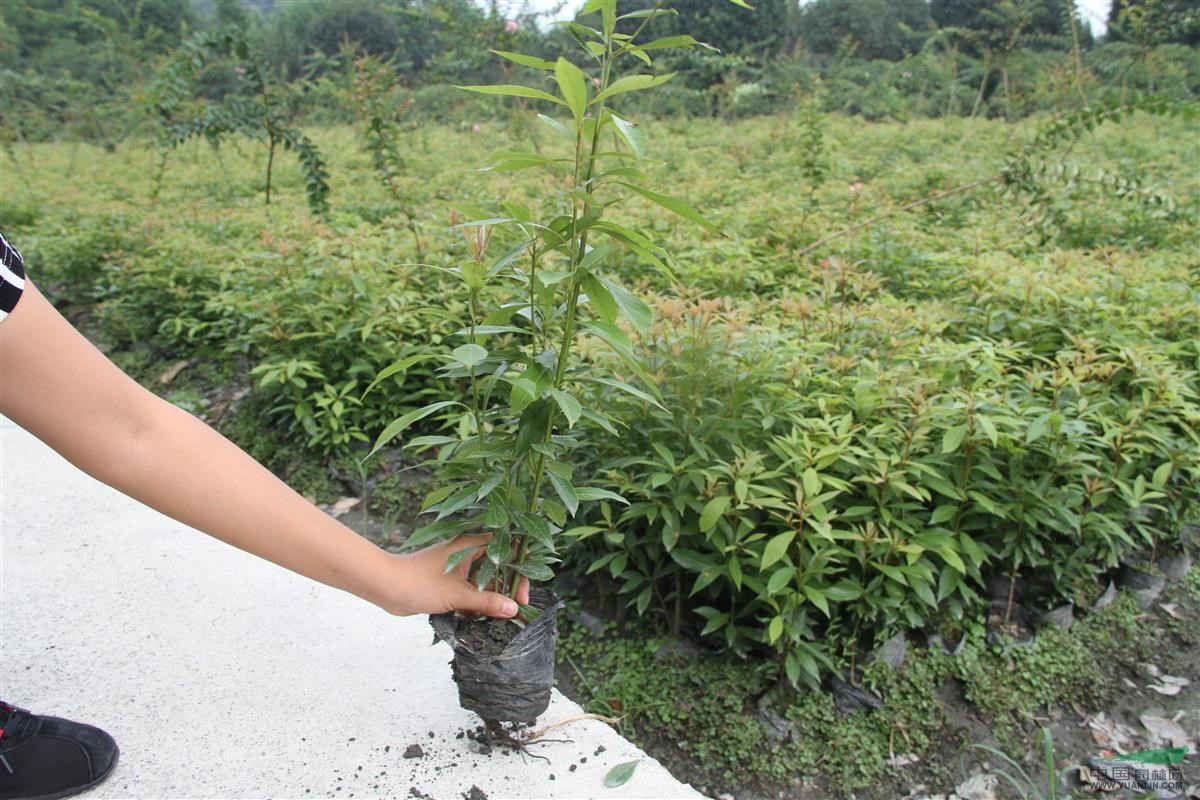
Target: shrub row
pixel 850 440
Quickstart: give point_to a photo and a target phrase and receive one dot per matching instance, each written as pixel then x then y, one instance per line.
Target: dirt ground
pixel 1134 717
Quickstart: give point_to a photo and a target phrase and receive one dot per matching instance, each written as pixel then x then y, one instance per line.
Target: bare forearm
pixel 181 467
pixel 60 388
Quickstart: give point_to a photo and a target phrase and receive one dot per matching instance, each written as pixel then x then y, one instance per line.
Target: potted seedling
pixel 532 287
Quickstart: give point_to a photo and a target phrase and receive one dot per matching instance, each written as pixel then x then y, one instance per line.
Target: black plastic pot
pixel 512 685
pixel 1145 585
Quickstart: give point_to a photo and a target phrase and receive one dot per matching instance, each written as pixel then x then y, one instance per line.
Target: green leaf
pixel 776 548
pixel 556 125
pixel 438 495
pixel 594 256
pixel 843 590
pixel 735 570
pixel 691 560
pixel 633 307
pixel 712 512
pixel 677 206
pixel 642 13
pixel 638 243
pixel 459 556
pixel 509 90
pixel 1161 475
pixel 535 572
pixel 488 330
pixel 573 85
pixel 989 428
pixel 924 592
pixel 469 355
pixel 535 526
pixel 457 501
pixel 500 548
pixel 496 516
pixel 774 630
pixel 942 513
pixel 531 428
pixel 890 571
pixel 489 485
pixel 600 298
pixel 817 599
pixel 592 493
pixel 437 531
pixel 953 438
pixel 569 405
pixel 554 511
pixel 398 425
pixel 682 40
pixel 524 60
pixel 779 579
pixel 519 161
pixel 399 366
pixel 950 555
pixel 620 774
pixel 565 491
pixel 431 441
pixel 625 387
pixel 743 4
pixel 632 83
pixel 812 483
pixel 618 340
pixel 792 667
pixel 633 136
pixel 971 548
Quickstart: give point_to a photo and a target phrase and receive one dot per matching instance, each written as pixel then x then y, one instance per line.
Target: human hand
pixel 422 585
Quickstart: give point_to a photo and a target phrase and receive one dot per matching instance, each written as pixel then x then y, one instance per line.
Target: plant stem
pixel 579 245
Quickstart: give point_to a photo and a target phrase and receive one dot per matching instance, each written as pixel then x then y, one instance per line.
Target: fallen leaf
pixel 173 370
pixel 620 774
pixel 904 760
pixel 1166 731
pixel 1150 669
pixel 1129 684
pixel 1107 732
pixel 978 787
pixel 1168 690
pixel 343 505
pixel 1171 609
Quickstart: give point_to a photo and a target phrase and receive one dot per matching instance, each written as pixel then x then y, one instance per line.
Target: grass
pixel 699 712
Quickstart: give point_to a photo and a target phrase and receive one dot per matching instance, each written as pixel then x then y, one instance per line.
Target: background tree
pixel 1041 22
pixel 878 29
pixel 773 27
pixel 1155 22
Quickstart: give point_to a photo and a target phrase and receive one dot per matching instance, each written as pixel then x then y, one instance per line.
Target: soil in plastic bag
pixel 504 672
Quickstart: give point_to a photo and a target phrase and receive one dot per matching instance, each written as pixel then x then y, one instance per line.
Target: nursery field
pixel 918 384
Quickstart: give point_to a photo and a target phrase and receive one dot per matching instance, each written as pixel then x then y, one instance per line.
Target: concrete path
pixel 221 675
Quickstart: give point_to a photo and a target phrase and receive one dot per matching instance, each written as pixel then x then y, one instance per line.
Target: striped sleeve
pixel 12 277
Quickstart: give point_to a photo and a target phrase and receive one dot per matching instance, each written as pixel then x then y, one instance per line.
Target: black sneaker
pixel 45 758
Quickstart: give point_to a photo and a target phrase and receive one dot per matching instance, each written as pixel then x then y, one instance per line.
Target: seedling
pixel 527 391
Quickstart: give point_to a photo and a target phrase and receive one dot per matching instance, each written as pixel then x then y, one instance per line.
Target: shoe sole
pixel 74 790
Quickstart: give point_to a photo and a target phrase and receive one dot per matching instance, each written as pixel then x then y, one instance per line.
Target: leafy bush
pixel 878 422
pixel 827 478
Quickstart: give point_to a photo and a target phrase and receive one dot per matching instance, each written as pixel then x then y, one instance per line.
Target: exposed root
pixel 573 718
pixel 497 734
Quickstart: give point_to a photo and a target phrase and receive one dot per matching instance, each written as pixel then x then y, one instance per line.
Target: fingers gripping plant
pixel 507 471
